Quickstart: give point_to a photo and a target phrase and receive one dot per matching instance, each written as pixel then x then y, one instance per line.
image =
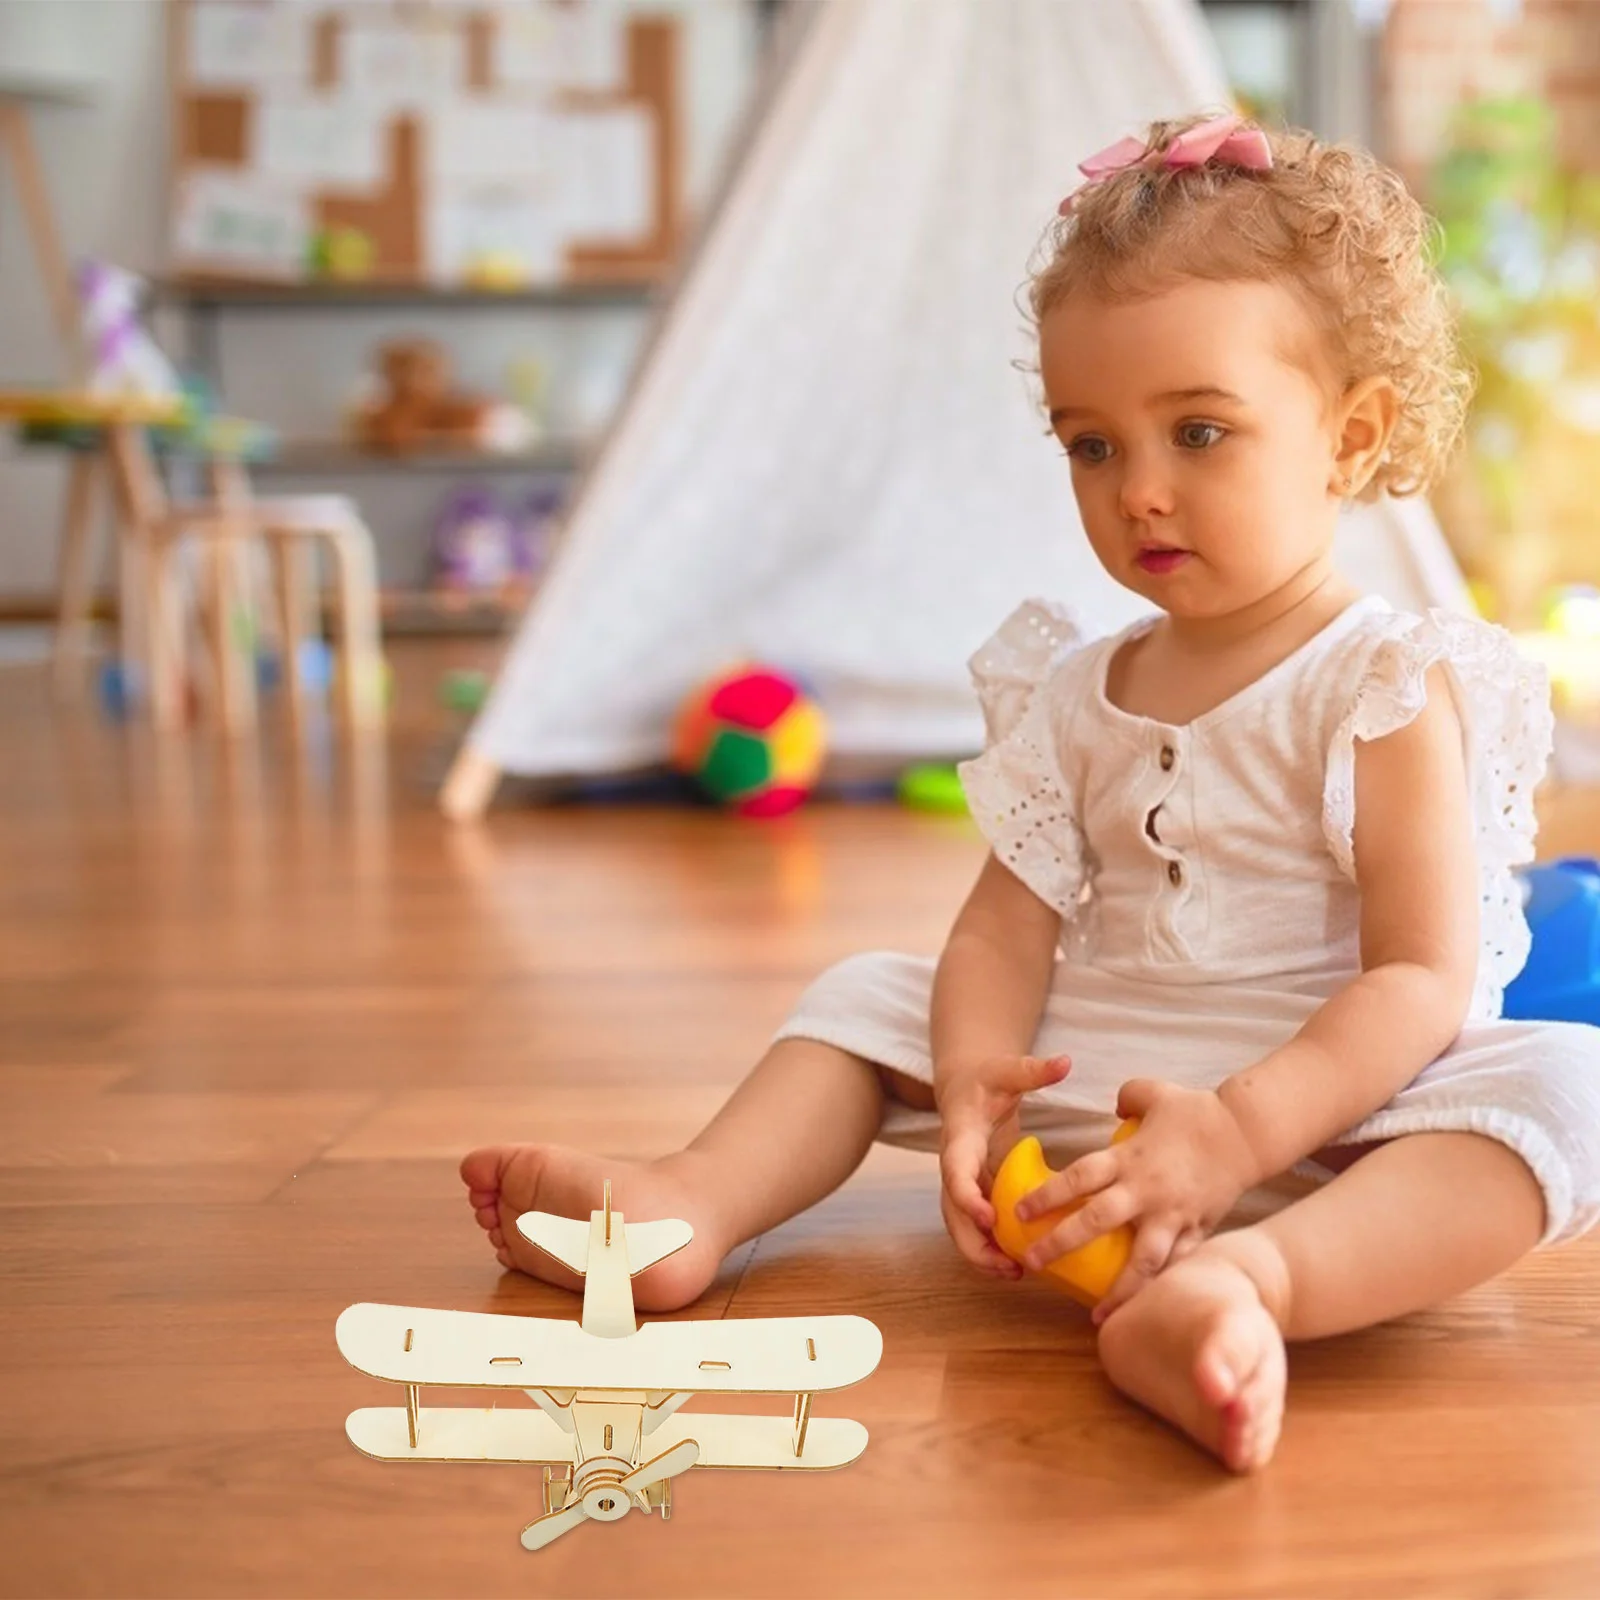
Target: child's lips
pixel 1161 558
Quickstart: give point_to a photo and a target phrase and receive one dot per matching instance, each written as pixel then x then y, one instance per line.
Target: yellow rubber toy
pixel 1086 1273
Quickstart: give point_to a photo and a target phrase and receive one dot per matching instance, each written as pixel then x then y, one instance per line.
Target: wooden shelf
pixel 432 611
pixel 318 456
pixel 342 294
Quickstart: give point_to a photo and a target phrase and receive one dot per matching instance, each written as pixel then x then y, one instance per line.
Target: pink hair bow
pixel 1223 139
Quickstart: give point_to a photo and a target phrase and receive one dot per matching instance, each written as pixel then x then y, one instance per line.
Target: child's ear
pixel 1363 423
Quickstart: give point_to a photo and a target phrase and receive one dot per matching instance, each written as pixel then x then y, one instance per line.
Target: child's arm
pixel 988 995
pixel 1197 1150
pixel 1416 867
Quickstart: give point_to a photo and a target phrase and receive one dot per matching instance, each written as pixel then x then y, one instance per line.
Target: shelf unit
pixel 200 303
pixel 312 457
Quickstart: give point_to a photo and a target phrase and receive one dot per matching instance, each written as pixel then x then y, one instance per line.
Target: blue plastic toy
pixel 1561 982
pixel 119 690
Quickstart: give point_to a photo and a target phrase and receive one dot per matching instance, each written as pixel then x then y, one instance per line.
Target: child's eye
pixel 1199 435
pixel 1089 448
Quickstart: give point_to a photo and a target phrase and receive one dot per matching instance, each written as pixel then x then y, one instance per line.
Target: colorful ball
pixel 753 739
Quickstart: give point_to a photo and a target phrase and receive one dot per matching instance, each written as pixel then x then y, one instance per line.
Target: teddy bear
pixel 417 409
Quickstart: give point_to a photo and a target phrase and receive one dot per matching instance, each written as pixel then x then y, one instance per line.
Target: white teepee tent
pixel 830 459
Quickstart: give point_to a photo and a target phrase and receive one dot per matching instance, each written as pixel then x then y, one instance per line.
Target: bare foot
pixel 505 1180
pixel 1198 1347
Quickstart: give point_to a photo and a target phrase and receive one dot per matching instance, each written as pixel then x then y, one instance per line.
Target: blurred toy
pixel 417 409
pixel 316 665
pixel 122 692
pixel 386 685
pixel 1561 981
pixel 1086 1273
pixel 319 671
pixel 474 543
pixel 932 788
pixel 118 692
pixel 185 422
pixel 496 269
pixel 526 383
pixel 124 359
pixel 464 689
pixel 342 252
pixel 753 740
pixel 269 670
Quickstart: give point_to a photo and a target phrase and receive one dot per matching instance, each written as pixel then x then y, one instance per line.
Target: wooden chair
pixel 155 530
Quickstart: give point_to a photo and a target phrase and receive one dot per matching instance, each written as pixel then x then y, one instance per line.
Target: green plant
pixel 1521 253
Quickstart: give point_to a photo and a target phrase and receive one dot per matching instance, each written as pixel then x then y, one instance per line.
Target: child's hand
pixel 1172 1182
pixel 977 1101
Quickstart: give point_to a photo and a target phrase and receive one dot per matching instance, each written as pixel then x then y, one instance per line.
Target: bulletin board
pixel 425 142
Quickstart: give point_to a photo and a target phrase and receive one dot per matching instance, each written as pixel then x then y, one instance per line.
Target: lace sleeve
pixel 1016 790
pixel 1503 700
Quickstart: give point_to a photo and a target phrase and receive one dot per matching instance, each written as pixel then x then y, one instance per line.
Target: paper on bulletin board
pixel 226 220
pixel 608 169
pixel 421 64
pixel 491 143
pixel 546 45
pixel 505 235
pixel 234 45
pixel 326 142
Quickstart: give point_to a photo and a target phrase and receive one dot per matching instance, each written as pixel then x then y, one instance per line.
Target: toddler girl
pixel 1251 860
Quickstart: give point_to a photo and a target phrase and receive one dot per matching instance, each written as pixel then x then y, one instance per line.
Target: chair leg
pixel 236 687
pixel 166 633
pixel 360 655
pixel 290 574
pixel 76 599
pixel 135 596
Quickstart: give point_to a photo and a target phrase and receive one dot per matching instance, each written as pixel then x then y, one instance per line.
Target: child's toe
pixel 480 1169
pixel 1228 1359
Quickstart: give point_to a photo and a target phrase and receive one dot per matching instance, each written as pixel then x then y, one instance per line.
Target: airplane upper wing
pixel 466 1349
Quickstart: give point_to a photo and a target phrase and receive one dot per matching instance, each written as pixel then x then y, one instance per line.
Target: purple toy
pixel 474 543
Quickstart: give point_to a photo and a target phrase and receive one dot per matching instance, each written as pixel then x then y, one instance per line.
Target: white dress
pixel 1205 878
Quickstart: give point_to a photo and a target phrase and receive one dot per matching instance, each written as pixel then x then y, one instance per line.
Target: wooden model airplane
pixel 608 1392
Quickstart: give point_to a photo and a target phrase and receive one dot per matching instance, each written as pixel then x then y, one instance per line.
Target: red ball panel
pixel 775 802
pixel 754 700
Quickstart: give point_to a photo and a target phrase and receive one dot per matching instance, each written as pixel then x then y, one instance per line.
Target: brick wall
pixel 1437 52
pixel 1434 55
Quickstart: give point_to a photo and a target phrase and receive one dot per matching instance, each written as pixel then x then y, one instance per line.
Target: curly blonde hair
pixel 1335 226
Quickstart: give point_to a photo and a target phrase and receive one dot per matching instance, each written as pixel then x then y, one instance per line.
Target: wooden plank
pixel 219 973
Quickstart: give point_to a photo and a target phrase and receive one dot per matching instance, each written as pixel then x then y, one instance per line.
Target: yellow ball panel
pixel 799 740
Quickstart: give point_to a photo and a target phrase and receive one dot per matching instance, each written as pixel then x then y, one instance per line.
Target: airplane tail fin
pixel 567 1240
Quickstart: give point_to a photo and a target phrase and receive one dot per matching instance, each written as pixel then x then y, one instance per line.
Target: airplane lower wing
pixel 465 1433
pixel 463 1349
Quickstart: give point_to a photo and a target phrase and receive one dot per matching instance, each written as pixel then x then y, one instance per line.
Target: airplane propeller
pixel 607 1500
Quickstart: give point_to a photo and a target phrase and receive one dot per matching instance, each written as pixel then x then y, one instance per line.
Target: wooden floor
pixel 254 1010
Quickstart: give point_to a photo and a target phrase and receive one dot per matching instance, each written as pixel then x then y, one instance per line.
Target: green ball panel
pixel 735 765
